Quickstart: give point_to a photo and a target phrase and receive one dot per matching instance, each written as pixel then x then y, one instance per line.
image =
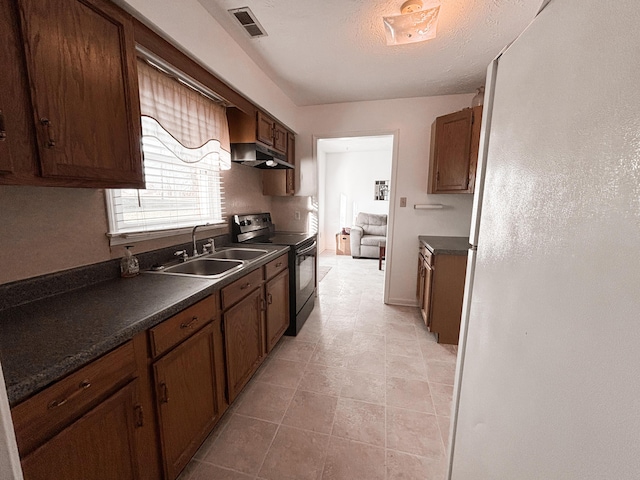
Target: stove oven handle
pixel 307 250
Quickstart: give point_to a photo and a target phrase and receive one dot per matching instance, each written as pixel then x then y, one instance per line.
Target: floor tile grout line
pixel 279 425
pixel 425 361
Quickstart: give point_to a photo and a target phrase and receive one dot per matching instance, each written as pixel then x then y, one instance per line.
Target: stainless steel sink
pixel 206 267
pixel 239 253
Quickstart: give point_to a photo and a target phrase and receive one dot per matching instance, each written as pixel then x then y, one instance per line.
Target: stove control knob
pixel 248 222
pixel 242 223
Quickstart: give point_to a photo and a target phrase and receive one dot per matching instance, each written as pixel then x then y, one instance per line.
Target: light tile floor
pixel 363 392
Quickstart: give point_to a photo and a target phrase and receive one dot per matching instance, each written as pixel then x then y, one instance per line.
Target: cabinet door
pixel 281 182
pixel 425 308
pixel 16 129
pixel 264 129
pixel 98 446
pixel 451 154
pixel 291 158
pixel 243 341
pixel 185 383
pixel 447 291
pixel 420 282
pixel 84 90
pixel 279 138
pixel 277 291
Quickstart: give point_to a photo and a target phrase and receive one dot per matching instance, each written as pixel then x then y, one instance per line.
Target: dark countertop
pixel 42 341
pixel 445 245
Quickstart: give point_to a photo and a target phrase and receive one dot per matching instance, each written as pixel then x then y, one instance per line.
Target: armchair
pixel 367 234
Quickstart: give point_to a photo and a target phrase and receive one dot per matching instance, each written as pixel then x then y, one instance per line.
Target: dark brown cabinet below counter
pixel 442 265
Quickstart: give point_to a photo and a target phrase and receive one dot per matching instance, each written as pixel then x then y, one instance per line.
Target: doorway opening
pixel 355 175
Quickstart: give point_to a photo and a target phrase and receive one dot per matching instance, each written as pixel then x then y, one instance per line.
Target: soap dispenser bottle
pixel 129 266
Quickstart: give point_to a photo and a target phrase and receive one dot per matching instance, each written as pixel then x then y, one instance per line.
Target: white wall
pixel 352 174
pixel 411 118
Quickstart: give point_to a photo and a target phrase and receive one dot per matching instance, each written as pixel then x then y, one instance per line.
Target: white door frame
pixel 392 202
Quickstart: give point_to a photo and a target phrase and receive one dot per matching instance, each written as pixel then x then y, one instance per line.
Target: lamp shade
pixel 413 27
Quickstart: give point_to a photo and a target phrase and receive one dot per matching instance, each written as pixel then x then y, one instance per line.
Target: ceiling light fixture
pixel 418 22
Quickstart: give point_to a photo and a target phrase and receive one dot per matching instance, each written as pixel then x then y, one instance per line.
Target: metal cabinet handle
pixel 51 142
pixel 190 323
pixel 81 388
pixel 3 130
pixel 263 305
pixel 164 393
pixel 279 264
pixel 139 415
pixel 269 298
pixel 245 286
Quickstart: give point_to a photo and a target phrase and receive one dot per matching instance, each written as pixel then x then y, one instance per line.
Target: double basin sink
pixel 218 264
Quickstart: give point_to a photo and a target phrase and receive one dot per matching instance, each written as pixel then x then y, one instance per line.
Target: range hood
pixel 259 156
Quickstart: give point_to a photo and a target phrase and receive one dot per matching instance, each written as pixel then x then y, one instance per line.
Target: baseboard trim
pixel 403 302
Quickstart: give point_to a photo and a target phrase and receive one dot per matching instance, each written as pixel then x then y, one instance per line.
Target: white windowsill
pixel 134 237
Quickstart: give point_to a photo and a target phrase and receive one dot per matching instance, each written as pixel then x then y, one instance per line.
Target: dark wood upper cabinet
pixel 81 75
pixel 271 133
pixel 454 152
pixel 291 158
pixel 282 182
pixel 17 149
pixel 264 129
pixel 279 138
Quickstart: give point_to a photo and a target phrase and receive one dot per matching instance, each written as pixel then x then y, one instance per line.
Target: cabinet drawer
pixel 427 255
pixel 238 289
pixel 42 416
pixel 274 267
pixel 182 325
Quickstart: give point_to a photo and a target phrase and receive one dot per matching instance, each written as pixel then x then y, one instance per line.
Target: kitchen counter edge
pixel 43 341
pixel 445 245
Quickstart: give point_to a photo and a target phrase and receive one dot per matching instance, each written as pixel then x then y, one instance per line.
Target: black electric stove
pixel 257 228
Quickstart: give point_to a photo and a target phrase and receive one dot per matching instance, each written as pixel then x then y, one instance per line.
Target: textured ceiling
pixel 330 51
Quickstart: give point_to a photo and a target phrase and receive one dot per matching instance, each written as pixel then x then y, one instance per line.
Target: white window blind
pixel 185 144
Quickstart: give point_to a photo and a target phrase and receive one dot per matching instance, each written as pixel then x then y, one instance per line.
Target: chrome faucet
pixel 209 247
pixel 193 239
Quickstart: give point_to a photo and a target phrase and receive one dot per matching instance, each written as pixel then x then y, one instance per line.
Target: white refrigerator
pixel 548 377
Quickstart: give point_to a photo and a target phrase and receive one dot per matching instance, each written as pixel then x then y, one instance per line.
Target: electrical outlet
pixel 403 201
pixel 296 215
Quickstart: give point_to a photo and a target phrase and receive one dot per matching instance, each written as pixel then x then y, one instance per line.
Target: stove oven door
pixel 305 274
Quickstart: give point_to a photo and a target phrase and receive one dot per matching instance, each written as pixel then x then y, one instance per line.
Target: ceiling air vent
pixel 248 21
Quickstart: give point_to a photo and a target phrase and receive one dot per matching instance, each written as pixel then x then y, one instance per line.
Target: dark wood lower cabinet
pixel 277 297
pixel 440 292
pixel 187 401
pixel 155 399
pixel 98 446
pixel 243 340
